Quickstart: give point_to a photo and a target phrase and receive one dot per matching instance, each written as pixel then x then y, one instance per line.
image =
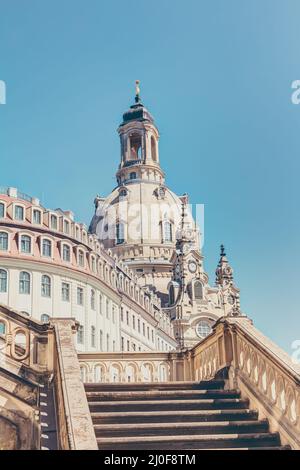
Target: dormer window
pixel 66 227
pixel 53 222
pixel 81 258
pixel 132 175
pixel 37 216
pixel 66 253
pixel 19 212
pixel 25 245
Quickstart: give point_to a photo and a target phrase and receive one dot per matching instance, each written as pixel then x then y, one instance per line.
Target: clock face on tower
pixel 192 266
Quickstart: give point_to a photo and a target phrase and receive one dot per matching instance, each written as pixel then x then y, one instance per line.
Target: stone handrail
pixel 261 370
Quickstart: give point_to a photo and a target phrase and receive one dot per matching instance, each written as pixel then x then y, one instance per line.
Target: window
pixel 133 322
pixel 93 337
pixel 127 317
pixel 122 343
pixel 80 334
pixel 92 299
pixel 79 296
pixel 101 340
pixel 2 210
pixel 153 149
pixel 19 213
pixel 122 314
pixel 139 325
pixel 46 286
pixel 93 264
pixel 128 345
pixel 25 244
pixel 66 227
pixel 122 193
pixel 37 218
pixel 152 336
pixel 3 241
pixel 45 318
pixel 114 345
pixel 24 283
pixel 148 332
pixel 81 258
pixel 107 309
pixel 107 342
pixel 3 280
pixel 100 305
pixel 53 222
pixel 120 233
pixel 203 328
pixel 2 328
pixel 66 253
pixel 144 329
pixel 133 347
pixel 47 248
pixel 198 290
pixel 171 295
pixel 132 175
pixel 167 231
pixel 113 314
pixel 65 292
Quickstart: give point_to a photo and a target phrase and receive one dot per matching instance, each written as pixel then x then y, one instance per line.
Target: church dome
pixel 138 221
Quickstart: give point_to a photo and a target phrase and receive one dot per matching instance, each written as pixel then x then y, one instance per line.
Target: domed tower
pixel 139 219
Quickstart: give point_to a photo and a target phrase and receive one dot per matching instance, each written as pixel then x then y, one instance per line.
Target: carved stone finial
pixel 137 91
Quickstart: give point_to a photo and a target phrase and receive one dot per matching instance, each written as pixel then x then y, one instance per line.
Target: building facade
pixel 50 266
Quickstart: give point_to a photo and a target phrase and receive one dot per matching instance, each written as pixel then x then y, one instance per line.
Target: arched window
pixel 81 258
pixel 135 147
pixel 25 244
pixel 92 299
pixel 153 149
pixel 45 318
pixel 107 342
pixel 19 212
pixel 53 222
pixel 203 328
pixel 2 210
pixel 171 295
pixel 198 290
pixel 120 233
pixel 93 337
pixel 80 334
pixel 66 253
pixel 3 241
pixel 123 194
pixel 132 175
pixel 101 340
pixel 3 280
pixel 46 286
pixel 24 283
pixel 2 328
pixel 167 231
pixel 37 216
pixel 47 248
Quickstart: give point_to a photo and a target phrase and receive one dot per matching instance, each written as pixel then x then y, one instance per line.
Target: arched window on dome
pixel 135 147
pixel 167 231
pixel 132 175
pixel 171 295
pixel 153 149
pixel 120 233
pixel 198 290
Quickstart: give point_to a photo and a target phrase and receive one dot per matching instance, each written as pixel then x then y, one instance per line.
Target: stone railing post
pixel 76 423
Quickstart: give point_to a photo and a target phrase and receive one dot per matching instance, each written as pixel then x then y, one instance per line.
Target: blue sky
pixel 217 77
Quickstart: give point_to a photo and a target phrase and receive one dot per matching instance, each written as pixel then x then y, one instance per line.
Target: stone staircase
pixel 176 416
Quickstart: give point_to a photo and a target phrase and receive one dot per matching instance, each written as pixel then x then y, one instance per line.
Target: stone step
pixel 161 395
pixel 160 405
pixel 128 417
pixel 190 442
pixel 142 386
pixel 177 428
